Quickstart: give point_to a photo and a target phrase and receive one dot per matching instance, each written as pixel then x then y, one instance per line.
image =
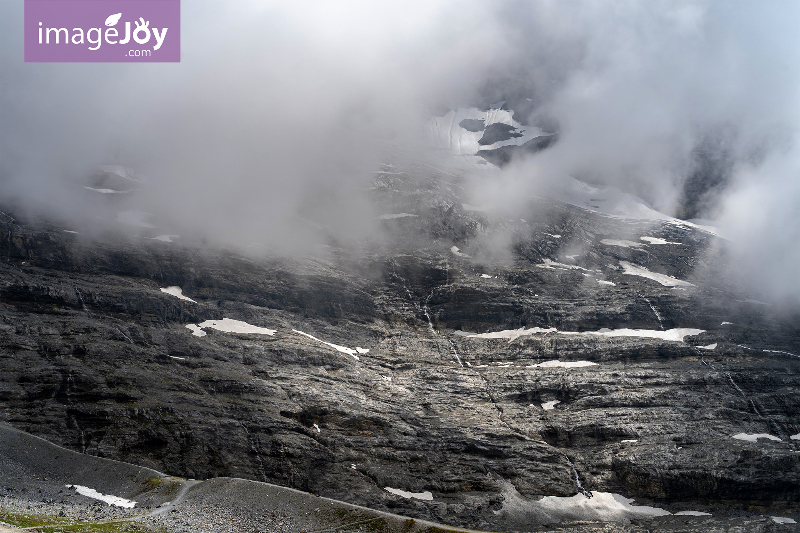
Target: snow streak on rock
pixel 675 334
pixel 667 281
pixel 109 499
pixel 177 292
pixel 344 349
pixel 563 364
pixel 416 495
pixel 753 437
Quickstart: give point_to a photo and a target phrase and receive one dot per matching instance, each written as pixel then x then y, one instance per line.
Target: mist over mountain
pixel 277 111
pixel 501 265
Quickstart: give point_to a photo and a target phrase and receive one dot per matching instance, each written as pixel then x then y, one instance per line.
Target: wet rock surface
pixel 96 358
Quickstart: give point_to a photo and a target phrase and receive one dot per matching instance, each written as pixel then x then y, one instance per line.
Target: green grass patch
pixel 30 520
pixel 57 524
pixel 153 482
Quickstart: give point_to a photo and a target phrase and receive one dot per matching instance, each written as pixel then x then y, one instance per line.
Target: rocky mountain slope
pixel 592 356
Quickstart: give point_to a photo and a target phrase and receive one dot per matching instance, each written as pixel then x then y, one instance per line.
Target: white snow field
pixel 563 364
pixel 753 437
pixel 416 495
pixel 675 334
pixel 603 506
pixel 667 281
pixel 196 330
pixel 109 499
pixel 228 325
pixel 783 520
pixel 612 202
pixel 510 334
pixel 657 240
pixel 176 292
pixel 446 133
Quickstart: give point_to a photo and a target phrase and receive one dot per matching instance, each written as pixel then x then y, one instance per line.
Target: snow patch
pixel 753 437
pixel 446 132
pixel 563 364
pixel 795 437
pixel 707 346
pixel 675 334
pixel 657 240
pixel 361 350
pixel 609 201
pixel 196 330
pixel 109 499
pixel 176 292
pixel 176 357
pixel 228 325
pixel 547 406
pixel 417 495
pixel 456 251
pixel 630 440
pixel 317 428
pixel 667 281
pixel 552 265
pixel 604 506
pixel 486 276
pixel 692 513
pixel 165 238
pixel 344 349
pixel 782 520
pixel 726 324
pixel 70 231
pixel 510 334
pixel 604 282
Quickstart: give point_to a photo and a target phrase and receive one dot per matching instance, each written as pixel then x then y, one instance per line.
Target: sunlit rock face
pixel 594 353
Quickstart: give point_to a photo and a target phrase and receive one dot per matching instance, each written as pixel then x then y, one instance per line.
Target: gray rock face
pixel 96 358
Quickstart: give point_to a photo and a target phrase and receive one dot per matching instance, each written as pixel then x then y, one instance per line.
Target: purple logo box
pixel 80 31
